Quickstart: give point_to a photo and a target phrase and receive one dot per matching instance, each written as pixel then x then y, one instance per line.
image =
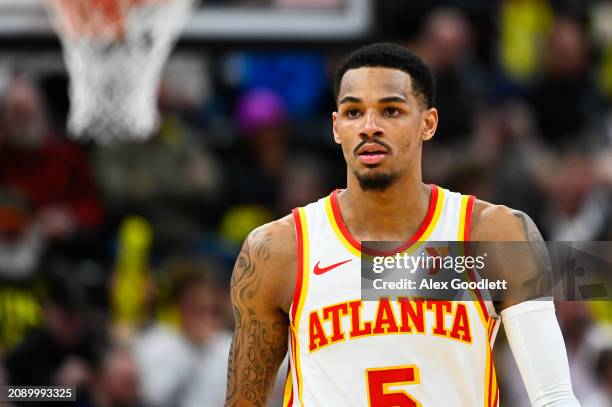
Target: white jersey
pixel 345 352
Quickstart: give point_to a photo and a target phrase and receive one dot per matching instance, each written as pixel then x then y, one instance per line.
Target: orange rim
pixel 97 18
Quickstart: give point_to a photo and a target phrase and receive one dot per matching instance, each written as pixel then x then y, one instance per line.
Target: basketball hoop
pixel 115 51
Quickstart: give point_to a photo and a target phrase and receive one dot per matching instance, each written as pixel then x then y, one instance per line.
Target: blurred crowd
pixel 115 259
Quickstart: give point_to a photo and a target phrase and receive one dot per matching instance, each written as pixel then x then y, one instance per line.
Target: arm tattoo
pixel 539 252
pixel 531 230
pixel 535 239
pixel 258 345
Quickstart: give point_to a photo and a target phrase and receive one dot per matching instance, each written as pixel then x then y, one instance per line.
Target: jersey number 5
pixel 378 381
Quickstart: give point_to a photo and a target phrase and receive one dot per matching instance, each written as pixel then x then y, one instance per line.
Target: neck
pixel 392 214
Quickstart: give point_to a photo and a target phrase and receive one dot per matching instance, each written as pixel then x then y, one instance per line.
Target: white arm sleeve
pixel 539 350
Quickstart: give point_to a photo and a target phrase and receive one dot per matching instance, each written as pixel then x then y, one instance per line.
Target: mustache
pixel 373 141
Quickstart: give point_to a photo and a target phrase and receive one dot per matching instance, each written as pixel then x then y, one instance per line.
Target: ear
pixel 337 138
pixel 430 124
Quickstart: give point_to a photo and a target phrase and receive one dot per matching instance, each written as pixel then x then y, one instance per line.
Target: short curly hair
pixel 393 56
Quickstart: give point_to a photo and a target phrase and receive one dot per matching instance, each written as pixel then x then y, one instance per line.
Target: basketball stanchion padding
pixel 115 51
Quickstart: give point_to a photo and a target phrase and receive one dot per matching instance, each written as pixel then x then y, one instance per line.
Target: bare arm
pixel 525 264
pixel 531 326
pixel 258 288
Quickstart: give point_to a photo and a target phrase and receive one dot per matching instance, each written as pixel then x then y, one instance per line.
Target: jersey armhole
pixel 467 226
pixel 298 218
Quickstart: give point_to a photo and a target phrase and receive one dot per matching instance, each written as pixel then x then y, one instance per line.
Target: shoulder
pixel 267 263
pixel 492 222
pixel 273 239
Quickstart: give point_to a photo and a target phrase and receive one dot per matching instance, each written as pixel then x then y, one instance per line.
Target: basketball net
pixel 115 51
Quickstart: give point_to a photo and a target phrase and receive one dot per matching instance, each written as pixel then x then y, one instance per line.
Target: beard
pixel 376 182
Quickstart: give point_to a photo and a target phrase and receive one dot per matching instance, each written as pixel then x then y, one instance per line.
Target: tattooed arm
pixel 261 290
pixel 531 327
pixel 516 252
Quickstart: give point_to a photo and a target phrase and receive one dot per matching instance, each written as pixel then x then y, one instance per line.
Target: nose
pixel 371 126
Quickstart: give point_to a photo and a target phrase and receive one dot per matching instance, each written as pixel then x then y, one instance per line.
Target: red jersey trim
pixel 433 201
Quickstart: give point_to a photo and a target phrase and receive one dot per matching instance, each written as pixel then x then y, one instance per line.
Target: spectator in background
pixel 21 250
pixel 263 121
pixel 186 366
pixel 114 379
pixel 63 350
pixel 51 172
pixel 565 95
pixel 256 170
pixel 446 44
pixel 302 182
pixel 523 29
pixel 580 332
pixel 512 158
pixel 578 206
pixel 172 180
pixel 132 287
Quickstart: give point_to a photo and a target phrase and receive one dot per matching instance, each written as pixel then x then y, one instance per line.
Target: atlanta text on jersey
pixel 403 316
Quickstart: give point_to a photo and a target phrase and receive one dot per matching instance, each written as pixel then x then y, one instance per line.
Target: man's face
pixel 24 115
pixel 200 312
pixel 380 124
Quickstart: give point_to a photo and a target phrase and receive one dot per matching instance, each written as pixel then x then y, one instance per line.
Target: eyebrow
pixel 388 99
pixel 393 99
pixel 349 99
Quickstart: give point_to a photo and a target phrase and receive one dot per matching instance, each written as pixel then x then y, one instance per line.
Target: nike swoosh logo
pixel 320 270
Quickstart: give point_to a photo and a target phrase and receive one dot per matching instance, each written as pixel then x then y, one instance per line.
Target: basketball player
pixel 296 283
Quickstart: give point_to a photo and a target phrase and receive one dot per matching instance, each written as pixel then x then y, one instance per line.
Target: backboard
pixel 229 20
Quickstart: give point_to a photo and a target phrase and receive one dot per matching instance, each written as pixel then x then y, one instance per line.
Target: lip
pixel 371 153
pixel 372 159
pixel 372 148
